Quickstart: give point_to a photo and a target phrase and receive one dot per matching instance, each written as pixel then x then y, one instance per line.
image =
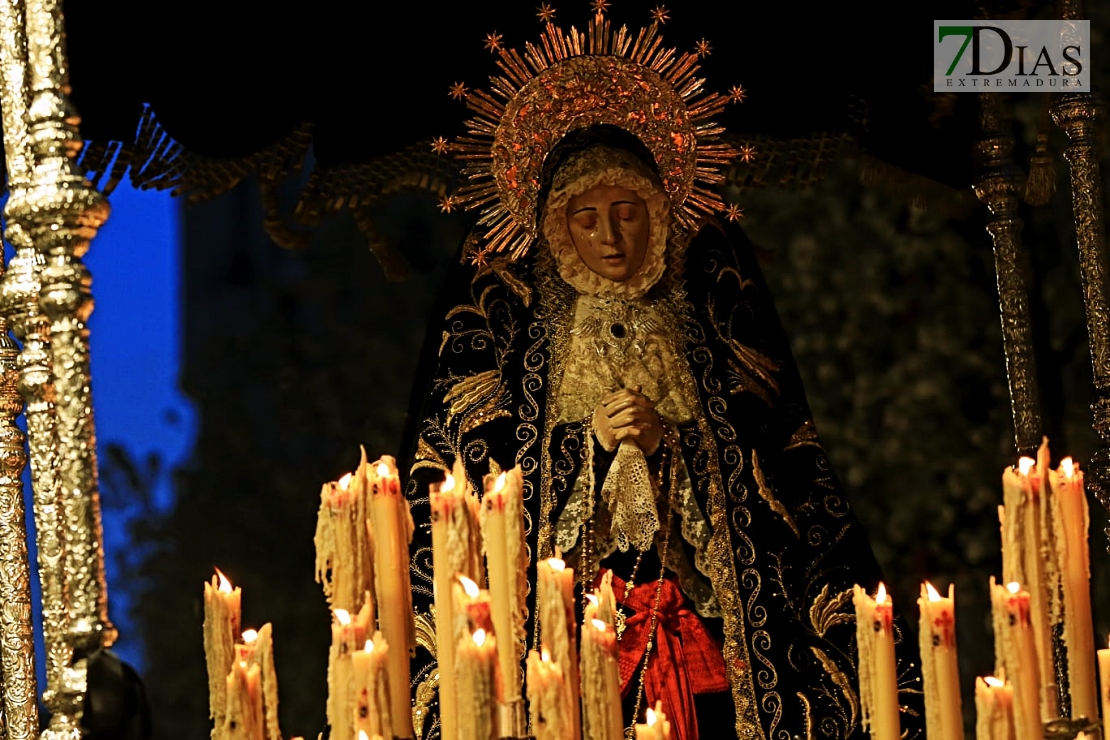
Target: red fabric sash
pixel 685 659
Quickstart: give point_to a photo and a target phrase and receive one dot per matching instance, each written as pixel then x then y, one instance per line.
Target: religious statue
pixel 612 337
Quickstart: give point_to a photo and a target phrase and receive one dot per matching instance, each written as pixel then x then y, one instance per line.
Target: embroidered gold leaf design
pixel 806 434
pixel 425 694
pixel 748 369
pixel 427 457
pixel 478 307
pixel 477 399
pixel 768 495
pixel 426 630
pixel 824 613
pixel 752 371
pixel 840 680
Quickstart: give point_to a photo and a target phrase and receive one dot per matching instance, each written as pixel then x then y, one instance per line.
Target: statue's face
pixel 609 226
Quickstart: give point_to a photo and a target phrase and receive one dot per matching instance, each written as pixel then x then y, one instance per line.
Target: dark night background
pixel 292 359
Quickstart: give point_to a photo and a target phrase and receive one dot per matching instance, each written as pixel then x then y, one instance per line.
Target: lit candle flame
pixel 470 587
pixel 934 596
pixel 242 664
pixel 225 585
pixel 383 470
pixel 880 595
pixel 479 637
pixel 599 624
pixel 556 565
pixel 250 636
pixel 1068 466
pixel 448 483
pixel 499 484
pixel 345 481
pixel 592 599
pixel 368 647
pixel 651 716
pixel 545 656
pixel 1026 464
pixel 1013 587
pixel 992 681
pixel 343 616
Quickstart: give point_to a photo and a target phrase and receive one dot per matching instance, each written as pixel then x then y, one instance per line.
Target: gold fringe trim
pixel 155 160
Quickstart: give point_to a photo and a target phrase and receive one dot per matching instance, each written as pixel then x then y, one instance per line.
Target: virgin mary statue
pixel 612 337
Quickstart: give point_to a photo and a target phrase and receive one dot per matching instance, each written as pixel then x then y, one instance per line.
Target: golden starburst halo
pixel 571 80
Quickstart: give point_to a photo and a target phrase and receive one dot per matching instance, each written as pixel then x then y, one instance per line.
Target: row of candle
pixel 363 532
pixel 242 682
pixel 573 679
pixel 1044 532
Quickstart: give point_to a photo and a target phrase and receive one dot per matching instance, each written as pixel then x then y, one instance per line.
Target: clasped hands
pixel 628 414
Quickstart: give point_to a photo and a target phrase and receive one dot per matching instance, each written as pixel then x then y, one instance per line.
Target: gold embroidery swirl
pixel 757 614
pixel 768 678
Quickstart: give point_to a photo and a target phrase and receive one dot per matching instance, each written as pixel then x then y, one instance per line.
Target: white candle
pixel 878 676
pixel 601 681
pixel 994 713
pixel 502 523
pixel 243 718
pixel 222 614
pixel 369 667
pixel 1071 520
pixel 392 532
pixel 1026 530
pixel 476 673
pixel 1104 693
pixel 555 603
pixel 1017 654
pixel 657 727
pixel 939 668
pixel 547 690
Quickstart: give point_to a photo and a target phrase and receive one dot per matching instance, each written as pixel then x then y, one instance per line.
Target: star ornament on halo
pixel 599 6
pixel 440 145
pixel 458 91
pixel 545 13
pixel 493 42
pixel 660 15
pixel 747 153
pixel 734 212
pixel 737 94
pixel 702 49
pixel 448 203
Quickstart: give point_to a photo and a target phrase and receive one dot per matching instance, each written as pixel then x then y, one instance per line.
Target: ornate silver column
pixel 17 658
pixel 1081 116
pixel 998 183
pixel 55 216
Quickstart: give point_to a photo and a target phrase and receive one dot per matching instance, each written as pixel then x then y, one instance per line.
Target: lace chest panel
pixel 618 344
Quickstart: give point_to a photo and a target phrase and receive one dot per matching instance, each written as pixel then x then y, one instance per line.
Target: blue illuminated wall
pixel 136 340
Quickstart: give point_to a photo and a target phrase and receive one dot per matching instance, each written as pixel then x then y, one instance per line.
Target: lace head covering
pixel 583 170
